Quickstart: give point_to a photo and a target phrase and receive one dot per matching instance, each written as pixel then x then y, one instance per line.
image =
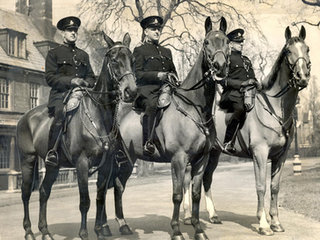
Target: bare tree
pixel 183 20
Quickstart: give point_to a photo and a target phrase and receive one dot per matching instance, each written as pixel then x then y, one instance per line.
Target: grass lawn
pixel 301 194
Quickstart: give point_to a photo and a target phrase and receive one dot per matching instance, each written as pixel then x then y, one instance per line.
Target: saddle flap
pixel 74 99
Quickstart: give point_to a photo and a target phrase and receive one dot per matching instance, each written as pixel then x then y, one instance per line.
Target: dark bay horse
pixel 268 129
pixel 89 137
pixel 185 133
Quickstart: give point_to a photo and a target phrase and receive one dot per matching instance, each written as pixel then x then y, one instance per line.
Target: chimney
pixel 40 12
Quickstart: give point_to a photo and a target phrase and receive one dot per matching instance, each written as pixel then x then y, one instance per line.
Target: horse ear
pixel 208 25
pixel 302 33
pixel 223 25
pixel 288 33
pixel 109 41
pixel 127 39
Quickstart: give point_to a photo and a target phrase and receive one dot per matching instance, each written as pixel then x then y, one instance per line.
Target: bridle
pixel 292 82
pixel 114 78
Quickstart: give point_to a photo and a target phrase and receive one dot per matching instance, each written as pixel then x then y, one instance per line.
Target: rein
pixel 112 136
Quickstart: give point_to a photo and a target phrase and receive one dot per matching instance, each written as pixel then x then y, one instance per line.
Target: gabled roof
pixel 22 23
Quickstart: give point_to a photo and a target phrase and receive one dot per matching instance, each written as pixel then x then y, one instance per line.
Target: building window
pixel 13 42
pixel 4 93
pixel 4 152
pixel 34 94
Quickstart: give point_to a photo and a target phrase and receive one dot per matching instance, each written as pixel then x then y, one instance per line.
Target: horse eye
pixel 288 51
pixel 206 42
pixel 308 50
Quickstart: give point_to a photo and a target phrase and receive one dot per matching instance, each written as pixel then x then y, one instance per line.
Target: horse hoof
pixel 177 237
pixel 277 228
pixel 29 236
pixel 106 231
pixel 265 231
pixel 215 220
pixel 187 221
pixel 200 236
pixel 84 236
pixel 47 237
pixel 125 230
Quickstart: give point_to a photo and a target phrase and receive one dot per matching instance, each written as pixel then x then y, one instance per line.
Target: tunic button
pixel 151 57
pixel 163 68
pixel 64 61
pixel 76 68
pixel 77 74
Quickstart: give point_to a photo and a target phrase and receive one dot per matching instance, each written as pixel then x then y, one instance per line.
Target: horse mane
pixel 268 82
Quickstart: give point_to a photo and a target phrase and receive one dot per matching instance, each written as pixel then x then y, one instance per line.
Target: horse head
pixel 297 58
pixel 216 49
pixel 119 64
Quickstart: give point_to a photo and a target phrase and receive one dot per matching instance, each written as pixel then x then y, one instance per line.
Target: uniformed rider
pixel 153 63
pixel 241 75
pixel 66 67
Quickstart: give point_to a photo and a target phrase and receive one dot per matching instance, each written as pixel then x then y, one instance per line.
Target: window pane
pixel 4 152
pixel 34 89
pixel 4 93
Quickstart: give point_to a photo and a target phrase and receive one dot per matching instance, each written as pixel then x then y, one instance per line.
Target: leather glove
pixel 249 82
pixel 162 76
pixel 79 82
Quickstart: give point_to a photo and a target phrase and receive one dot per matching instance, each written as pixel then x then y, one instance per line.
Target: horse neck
pixel 104 110
pixel 204 96
pixel 283 105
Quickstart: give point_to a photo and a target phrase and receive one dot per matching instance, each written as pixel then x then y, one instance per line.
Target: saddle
pixel 72 99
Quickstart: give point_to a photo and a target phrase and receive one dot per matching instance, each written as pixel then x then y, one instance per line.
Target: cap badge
pixel 71 22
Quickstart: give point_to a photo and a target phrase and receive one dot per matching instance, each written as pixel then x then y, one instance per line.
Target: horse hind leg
pixel 45 191
pixel 28 170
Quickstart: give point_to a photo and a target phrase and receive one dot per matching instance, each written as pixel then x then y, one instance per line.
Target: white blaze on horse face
pixel 300 60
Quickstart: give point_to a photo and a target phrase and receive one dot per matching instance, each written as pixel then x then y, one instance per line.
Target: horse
pixel 89 138
pixel 267 131
pixel 185 134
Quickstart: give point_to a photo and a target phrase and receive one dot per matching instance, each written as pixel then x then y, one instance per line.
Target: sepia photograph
pixel 159 120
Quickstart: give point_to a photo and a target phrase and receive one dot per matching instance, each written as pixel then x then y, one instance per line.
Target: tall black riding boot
pixel 54 136
pixel 230 136
pixel 147 125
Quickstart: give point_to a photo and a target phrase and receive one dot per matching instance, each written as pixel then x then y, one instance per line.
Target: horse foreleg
pixel 82 174
pixel 45 191
pixel 124 172
pixel 197 173
pixel 260 170
pixel 207 182
pixel 101 227
pixel 276 171
pixel 177 171
pixel 187 196
pixel 27 168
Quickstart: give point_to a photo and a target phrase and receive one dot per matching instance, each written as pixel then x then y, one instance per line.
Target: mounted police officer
pixel 153 64
pixel 66 67
pixel 241 75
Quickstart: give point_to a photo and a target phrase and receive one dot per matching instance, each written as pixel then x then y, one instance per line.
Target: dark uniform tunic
pixel 240 70
pixel 63 64
pixel 151 59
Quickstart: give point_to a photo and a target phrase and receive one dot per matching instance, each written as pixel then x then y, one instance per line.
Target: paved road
pixel 148 209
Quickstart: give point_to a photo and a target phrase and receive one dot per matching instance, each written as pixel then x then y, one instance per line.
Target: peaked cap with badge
pixel 152 21
pixel 69 22
pixel 236 35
